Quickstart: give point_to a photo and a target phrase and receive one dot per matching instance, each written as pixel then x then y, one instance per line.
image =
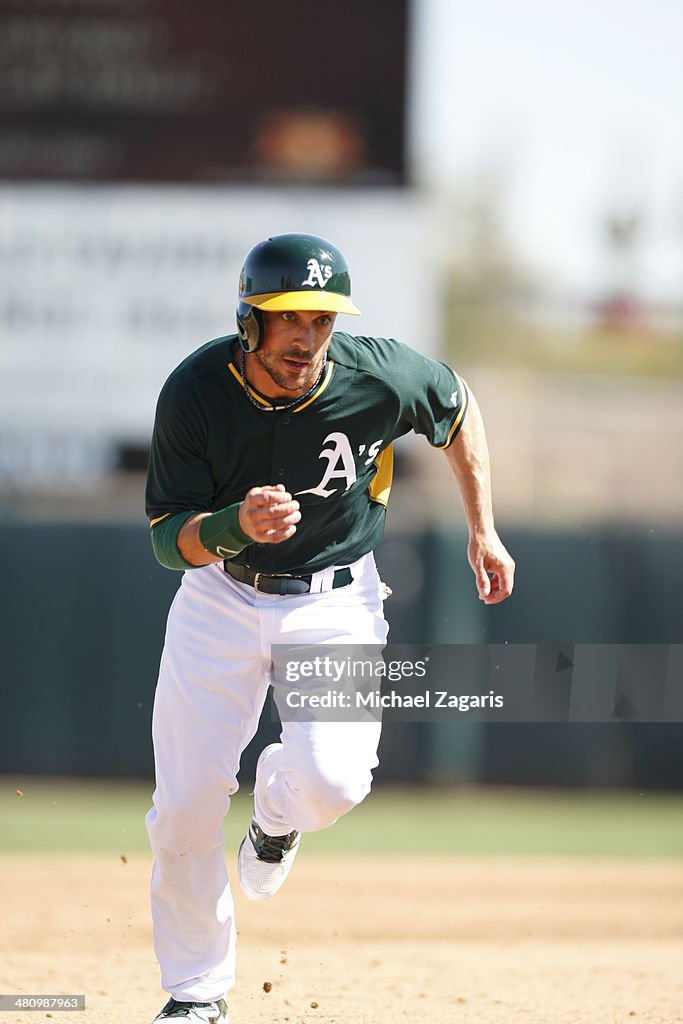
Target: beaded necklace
pixel 284 405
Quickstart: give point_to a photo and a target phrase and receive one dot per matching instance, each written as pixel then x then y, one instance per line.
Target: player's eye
pixel 324 320
pixel 288 316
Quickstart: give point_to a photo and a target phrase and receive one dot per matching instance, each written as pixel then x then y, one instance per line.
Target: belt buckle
pixel 272 576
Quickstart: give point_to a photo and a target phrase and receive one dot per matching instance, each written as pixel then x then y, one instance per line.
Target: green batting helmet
pixel 291 272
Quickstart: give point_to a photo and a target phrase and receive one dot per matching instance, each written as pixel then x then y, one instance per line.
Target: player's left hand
pixel 493 568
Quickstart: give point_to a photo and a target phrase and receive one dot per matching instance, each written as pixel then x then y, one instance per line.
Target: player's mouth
pixel 297 365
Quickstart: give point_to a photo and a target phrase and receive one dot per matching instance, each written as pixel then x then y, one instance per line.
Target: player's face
pixel 289 359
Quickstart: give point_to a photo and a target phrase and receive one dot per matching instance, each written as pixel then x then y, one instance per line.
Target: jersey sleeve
pixel 179 478
pixel 433 397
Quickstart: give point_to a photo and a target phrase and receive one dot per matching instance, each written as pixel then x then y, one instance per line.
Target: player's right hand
pixel 269 514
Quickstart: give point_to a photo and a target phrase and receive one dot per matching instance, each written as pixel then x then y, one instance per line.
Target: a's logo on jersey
pixel 318 275
pixel 455 399
pixel 340 465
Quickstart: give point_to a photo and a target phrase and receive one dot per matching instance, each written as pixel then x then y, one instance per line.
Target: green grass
pixel 77 815
pixel 518 822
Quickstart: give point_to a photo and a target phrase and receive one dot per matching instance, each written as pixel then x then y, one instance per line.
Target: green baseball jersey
pixel 332 451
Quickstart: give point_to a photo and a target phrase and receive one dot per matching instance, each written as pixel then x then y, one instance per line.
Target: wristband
pixel 221 533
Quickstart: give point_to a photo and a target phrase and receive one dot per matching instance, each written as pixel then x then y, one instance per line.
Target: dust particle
pixel 284 960
pixel 314 1006
pixel 124 859
pixel 20 792
pixel 267 986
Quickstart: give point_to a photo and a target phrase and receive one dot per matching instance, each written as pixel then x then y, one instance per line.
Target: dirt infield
pixel 368 941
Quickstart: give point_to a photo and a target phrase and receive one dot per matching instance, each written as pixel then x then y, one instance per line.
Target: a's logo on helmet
pixel 318 276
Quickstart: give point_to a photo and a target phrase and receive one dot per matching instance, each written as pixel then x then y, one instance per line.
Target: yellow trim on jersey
pixel 459 417
pixel 380 485
pixel 273 404
pixel 326 380
pixel 158 519
pixel 255 394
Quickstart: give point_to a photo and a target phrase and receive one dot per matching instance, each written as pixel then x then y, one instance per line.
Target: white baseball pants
pixel 213 681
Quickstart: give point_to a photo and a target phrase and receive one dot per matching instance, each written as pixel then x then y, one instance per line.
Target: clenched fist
pixel 269 514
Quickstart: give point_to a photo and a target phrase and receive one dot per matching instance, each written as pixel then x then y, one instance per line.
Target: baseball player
pixel 269 477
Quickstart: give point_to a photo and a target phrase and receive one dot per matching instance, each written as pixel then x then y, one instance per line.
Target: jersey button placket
pixel 279 454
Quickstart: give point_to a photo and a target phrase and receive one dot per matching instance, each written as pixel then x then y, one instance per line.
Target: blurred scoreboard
pixel 211 91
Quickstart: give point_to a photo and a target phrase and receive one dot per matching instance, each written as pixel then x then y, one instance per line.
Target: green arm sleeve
pixel 165 541
pixel 220 533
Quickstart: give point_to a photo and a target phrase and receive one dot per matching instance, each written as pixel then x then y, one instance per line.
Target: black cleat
pixel 195 1013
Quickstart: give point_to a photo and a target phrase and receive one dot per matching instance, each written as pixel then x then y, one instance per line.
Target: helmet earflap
pixel 249 326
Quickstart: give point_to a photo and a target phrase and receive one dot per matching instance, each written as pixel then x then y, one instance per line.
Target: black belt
pixel 282 582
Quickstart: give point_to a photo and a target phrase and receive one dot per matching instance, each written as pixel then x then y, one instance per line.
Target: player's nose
pixel 305 339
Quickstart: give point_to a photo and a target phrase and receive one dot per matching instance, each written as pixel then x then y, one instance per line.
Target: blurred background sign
pixel 104 290
pixel 137 90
